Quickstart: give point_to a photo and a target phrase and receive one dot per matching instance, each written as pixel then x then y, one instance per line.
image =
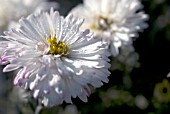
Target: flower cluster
pixel 59 58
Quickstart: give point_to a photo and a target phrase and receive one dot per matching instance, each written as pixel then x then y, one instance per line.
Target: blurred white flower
pixel 12 10
pixel 116 21
pixel 126 60
pixel 141 102
pixel 56 61
pixel 116 97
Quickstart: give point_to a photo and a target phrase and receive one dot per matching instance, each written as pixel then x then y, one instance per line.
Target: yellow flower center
pixel 57 47
pixel 102 23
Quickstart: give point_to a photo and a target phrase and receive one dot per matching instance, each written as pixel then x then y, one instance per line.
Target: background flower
pixel 12 10
pixel 116 21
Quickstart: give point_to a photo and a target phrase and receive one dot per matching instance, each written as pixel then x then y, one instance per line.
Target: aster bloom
pixel 116 21
pixel 12 10
pixel 55 60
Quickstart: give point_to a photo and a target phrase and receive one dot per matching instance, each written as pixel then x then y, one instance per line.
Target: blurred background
pixel 138 85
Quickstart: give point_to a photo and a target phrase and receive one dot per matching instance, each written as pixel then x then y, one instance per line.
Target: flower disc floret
pixel 57 47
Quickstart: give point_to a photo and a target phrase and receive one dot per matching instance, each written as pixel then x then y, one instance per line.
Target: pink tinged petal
pixel 19 77
pixel 87 91
pixel 11 67
pixel 3 60
pixel 27 75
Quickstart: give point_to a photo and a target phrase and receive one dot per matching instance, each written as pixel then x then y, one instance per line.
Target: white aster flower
pixel 56 61
pixel 12 10
pixel 116 21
